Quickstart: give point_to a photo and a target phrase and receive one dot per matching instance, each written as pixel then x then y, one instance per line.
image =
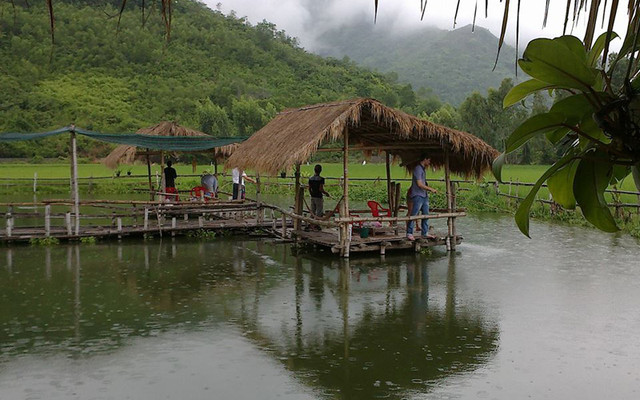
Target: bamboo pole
pixel 163 181
pixel 447 178
pixel 388 168
pixel 345 240
pixel 297 207
pixel 149 173
pixel 259 213
pixel 67 221
pixel 74 180
pixel 47 220
pixel 9 217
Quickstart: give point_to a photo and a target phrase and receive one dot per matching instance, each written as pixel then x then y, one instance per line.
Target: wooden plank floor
pixel 59 232
pixel 377 243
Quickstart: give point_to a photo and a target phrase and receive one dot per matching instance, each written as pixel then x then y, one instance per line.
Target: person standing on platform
pixel 316 190
pixel 420 196
pixel 238 177
pixel 210 182
pixel 170 176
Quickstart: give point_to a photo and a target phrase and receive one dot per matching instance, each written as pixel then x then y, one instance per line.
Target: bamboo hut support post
pixel 388 167
pixel 259 210
pixel 149 173
pixel 448 189
pixel 345 240
pixel 298 200
pixel 74 180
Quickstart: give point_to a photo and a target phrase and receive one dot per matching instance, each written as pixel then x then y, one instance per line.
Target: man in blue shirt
pixel 420 197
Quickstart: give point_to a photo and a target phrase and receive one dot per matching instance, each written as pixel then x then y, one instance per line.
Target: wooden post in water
pixel 284 226
pixel 174 223
pixel 47 220
pixel 447 179
pixel 9 218
pixel 74 180
pixel 119 222
pixel 67 221
pixel 146 219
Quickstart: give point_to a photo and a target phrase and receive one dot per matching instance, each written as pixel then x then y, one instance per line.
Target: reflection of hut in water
pixel 376 339
pixel 366 125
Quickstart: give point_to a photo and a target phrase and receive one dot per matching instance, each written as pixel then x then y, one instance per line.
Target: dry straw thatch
pixel 294 135
pixel 125 154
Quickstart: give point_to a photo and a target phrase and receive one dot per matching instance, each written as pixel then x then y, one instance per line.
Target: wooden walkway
pixel 134 220
pixel 24 234
pixel 103 219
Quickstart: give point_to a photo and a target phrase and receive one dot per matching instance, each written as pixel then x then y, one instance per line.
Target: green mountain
pixel 217 73
pixel 452 63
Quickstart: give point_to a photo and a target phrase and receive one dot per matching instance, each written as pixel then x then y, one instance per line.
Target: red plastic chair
pixel 377 209
pixel 172 193
pixel 199 192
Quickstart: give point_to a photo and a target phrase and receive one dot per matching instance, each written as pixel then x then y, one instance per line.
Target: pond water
pixel 505 317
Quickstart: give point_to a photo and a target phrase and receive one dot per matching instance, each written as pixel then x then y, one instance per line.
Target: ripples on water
pixel 506 317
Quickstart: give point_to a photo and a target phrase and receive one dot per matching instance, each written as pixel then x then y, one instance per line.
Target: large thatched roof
pixel 125 154
pixel 294 135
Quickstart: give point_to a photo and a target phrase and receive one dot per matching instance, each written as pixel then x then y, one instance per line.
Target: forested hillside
pixel 218 73
pixel 452 63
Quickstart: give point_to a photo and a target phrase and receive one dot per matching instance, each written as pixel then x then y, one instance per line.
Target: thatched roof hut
pixel 294 135
pixel 125 154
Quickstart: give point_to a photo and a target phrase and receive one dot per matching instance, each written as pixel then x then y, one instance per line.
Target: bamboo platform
pixel 381 243
pixel 24 234
pixel 118 219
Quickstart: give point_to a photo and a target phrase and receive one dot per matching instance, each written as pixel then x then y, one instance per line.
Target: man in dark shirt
pixel 316 190
pixel 170 176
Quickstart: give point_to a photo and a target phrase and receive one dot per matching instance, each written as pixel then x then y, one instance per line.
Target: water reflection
pixel 357 329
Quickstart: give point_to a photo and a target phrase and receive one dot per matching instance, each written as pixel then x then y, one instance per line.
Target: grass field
pixel 515 173
pixel 527 173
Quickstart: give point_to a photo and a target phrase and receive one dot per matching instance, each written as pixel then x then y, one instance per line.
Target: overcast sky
pixel 306 19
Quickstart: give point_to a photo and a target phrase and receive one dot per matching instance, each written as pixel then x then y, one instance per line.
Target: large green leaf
pixel 561 185
pixel 592 178
pixel 598 48
pixel 524 89
pixel 537 124
pixel 522 213
pixel 551 61
pixel 619 173
pixel 574 45
pixel 574 107
pixel 555 136
pixel 496 166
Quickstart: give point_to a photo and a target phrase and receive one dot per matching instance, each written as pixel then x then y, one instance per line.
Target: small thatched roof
pixel 294 135
pixel 125 154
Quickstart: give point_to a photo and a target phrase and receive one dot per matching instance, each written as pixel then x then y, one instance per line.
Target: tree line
pixel 218 73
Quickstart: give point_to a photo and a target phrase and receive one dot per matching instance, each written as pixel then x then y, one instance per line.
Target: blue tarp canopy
pixel 169 143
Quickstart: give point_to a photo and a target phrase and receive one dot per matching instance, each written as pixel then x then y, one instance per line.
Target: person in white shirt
pixel 238 177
